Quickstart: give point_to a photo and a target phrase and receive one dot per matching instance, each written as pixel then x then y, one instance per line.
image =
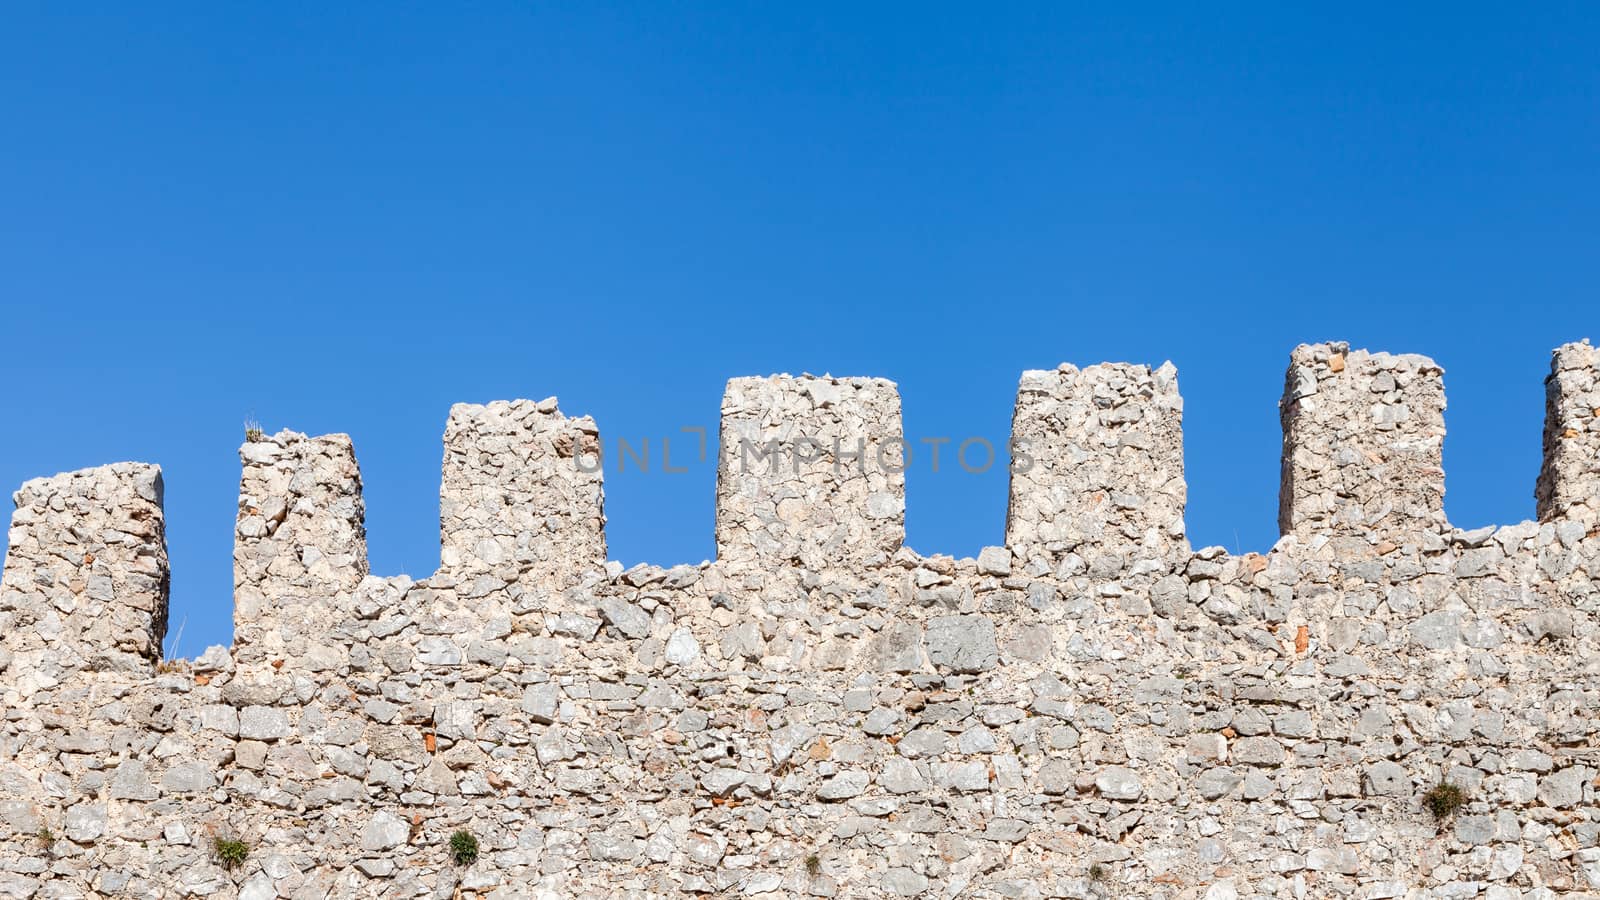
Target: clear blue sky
pixel 347 219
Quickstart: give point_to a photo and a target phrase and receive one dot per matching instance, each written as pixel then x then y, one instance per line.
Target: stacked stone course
pixel 1092 710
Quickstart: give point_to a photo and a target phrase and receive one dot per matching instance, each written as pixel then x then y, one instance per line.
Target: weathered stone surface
pixel 844 786
pixel 86 822
pixel 994 561
pixel 904 882
pixel 632 621
pixel 300 543
pixel 1118 783
pixel 541 702
pixel 962 643
pixel 1258 751
pixel 1217 782
pixel 1386 779
pixel 1564 788
pixel 384 831
pixel 682 648
pixel 263 723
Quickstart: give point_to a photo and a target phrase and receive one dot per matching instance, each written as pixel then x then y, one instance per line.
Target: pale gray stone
pixel 898 647
pixel 645 730
pixel 1564 787
pixel 1258 751
pixel 881 721
pixel 632 621
pixel 682 648
pixel 904 882
pixel 1217 782
pixel 1474 829
pixel 721 782
pixel 384 831
pixel 923 742
pixel 188 778
pixel 962 643
pixel 541 702
pixel 1118 783
pixel 994 561
pixel 439 651
pixel 611 848
pixel 1056 777
pixel 85 822
pixel 969 776
pixel 263 723
pixel 844 785
pixel 1387 779
pixel 1437 630
pixel 900 776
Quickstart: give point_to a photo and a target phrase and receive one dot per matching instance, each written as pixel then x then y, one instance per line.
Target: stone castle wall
pixel 1093 710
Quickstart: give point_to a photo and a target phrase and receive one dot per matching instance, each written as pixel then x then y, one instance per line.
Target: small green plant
pixel 252 430
pixel 46 837
pixel 1444 799
pixel 813 865
pixel 1097 872
pixel 231 852
pixel 463 848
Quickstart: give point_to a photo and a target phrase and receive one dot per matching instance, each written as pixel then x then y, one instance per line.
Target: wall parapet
pixel 521 497
pixel 811 471
pixel 1569 480
pixel 85 582
pixel 1363 439
pixel 1093 710
pixel 1099 482
pixel 300 543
